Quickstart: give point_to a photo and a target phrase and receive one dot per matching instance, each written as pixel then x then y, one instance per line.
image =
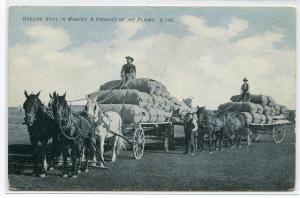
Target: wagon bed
pixel 136 135
pixel 275 129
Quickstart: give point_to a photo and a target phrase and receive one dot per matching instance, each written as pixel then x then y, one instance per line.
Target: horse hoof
pixel 86 170
pixel 78 171
pixel 51 169
pixel 65 176
pixel 210 152
pixel 74 176
pixel 42 175
pixel 240 146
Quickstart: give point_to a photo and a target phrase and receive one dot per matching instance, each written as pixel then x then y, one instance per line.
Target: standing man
pixel 128 70
pixel 245 91
pixel 190 129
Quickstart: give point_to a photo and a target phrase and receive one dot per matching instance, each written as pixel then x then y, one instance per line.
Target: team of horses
pixel 72 134
pixel 84 133
pixel 217 127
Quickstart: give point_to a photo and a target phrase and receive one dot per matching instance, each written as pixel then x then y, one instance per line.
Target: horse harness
pixel 71 125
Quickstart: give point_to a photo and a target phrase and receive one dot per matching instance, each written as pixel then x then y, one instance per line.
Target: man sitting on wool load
pixel 245 91
pixel 128 70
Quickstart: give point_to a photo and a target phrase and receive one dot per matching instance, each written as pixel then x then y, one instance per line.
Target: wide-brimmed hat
pixel 129 57
pixel 188 102
pixel 245 79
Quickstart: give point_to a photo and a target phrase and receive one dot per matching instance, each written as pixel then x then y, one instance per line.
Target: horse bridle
pixel 33 115
pixel 69 125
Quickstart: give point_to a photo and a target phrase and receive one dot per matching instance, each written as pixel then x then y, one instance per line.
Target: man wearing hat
pixel 190 132
pixel 128 70
pixel 245 91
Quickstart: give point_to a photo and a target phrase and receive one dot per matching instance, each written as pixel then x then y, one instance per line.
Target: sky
pixel 203 52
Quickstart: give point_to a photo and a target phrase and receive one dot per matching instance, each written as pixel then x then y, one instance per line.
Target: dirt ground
pixel 262 166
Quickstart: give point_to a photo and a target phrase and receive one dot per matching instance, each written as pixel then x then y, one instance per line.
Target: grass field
pixel 262 166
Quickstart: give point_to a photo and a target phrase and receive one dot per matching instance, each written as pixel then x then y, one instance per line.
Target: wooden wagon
pixel 275 129
pixel 137 135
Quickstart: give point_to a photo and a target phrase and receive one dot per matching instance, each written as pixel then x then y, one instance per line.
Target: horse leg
pixel 80 154
pixel 44 158
pixel 101 149
pixel 74 157
pixel 59 152
pixel 221 140
pixel 232 140
pixel 218 141
pixel 196 141
pixel 52 155
pixel 210 140
pixel 113 158
pixel 216 136
pixel 65 155
pixel 236 140
pixel 202 141
pixel 35 156
pixel 239 139
pixel 86 165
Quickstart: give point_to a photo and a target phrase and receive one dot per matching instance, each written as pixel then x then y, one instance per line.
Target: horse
pixel 76 133
pixel 108 125
pixel 236 123
pixel 211 126
pixel 42 129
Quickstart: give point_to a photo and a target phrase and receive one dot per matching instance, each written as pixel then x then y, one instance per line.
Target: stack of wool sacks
pixel 142 100
pixel 260 110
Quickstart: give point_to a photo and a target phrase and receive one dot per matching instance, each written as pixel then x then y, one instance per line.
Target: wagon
pixel 275 129
pixel 137 135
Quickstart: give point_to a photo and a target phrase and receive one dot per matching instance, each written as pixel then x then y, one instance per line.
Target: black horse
pixel 41 128
pixel 211 127
pixel 76 133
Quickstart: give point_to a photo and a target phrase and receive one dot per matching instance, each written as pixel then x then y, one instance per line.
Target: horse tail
pixel 121 143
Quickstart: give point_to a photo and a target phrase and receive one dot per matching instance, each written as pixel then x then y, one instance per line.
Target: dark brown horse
pixel 220 126
pixel 236 125
pixel 76 133
pixel 211 127
pixel 41 128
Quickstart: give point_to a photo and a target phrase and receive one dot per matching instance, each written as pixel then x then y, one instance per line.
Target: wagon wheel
pixel 169 139
pixel 278 133
pixel 138 143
